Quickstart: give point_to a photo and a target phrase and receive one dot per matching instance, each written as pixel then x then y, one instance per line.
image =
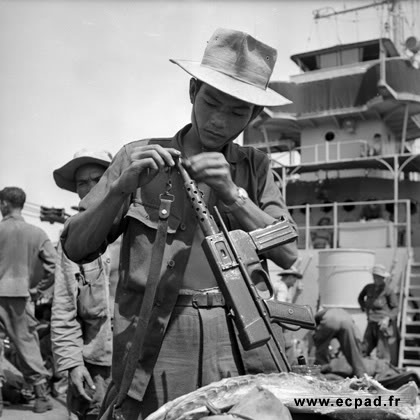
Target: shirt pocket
pixel 138 241
pixel 92 295
pixel 148 215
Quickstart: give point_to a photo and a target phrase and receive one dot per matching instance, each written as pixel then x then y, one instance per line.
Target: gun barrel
pixel 207 223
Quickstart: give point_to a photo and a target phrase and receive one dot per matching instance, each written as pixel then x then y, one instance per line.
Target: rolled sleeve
pixel 66 330
pixel 269 196
pixel 47 255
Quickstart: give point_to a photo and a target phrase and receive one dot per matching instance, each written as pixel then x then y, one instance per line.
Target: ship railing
pixel 325 152
pixel 333 225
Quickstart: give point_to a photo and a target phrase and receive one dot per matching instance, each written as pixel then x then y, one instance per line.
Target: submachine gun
pixel 245 285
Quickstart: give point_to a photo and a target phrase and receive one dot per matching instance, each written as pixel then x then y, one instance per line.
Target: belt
pixel 201 300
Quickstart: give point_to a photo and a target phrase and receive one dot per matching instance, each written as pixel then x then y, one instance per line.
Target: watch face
pixel 242 194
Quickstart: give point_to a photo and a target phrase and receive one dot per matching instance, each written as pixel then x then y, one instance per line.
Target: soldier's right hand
pixel 80 378
pixel 146 162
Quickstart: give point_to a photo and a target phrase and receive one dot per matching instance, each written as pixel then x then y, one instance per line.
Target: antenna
pixel 394 8
pixel 321 13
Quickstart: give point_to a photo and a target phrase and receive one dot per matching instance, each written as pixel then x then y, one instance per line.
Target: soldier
pixel 27 260
pixel 337 323
pixel 190 340
pixel 81 312
pixel 380 303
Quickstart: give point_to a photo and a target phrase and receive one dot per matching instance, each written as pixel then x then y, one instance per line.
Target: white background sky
pixel 96 73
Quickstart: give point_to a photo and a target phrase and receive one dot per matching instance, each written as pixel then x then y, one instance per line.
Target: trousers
pixel 199 348
pixel 348 345
pixel 385 341
pixel 17 321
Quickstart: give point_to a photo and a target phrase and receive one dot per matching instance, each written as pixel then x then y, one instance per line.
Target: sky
pixel 96 73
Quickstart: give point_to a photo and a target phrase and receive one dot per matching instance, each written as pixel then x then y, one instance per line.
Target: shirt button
pixel 183 226
pixel 171 264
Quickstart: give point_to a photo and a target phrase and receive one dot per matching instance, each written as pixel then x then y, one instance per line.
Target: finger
pixel 212 174
pixel 151 154
pixel 165 154
pixel 202 163
pixel 78 383
pixel 89 380
pixel 142 164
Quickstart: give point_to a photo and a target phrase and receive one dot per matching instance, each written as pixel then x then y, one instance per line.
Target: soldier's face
pixel 218 117
pixel 378 280
pixel 86 177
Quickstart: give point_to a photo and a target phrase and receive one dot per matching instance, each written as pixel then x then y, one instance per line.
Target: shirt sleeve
pixel 66 330
pixel 47 255
pixel 392 300
pixel 269 195
pixel 361 298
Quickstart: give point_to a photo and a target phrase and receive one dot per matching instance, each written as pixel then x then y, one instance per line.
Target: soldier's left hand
pixel 213 169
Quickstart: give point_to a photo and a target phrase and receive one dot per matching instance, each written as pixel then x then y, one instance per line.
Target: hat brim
pixel 64 176
pixel 233 87
pixel 291 272
pixel 383 275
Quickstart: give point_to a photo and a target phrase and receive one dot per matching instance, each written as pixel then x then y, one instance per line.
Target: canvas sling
pixel 135 350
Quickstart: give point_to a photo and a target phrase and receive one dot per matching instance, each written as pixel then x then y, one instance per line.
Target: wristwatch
pixel 239 202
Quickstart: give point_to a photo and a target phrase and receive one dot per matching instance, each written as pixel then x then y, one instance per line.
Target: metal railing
pixel 400 229
pixel 329 151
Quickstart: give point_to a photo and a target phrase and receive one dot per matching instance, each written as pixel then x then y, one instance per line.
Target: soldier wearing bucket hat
pixel 65 176
pixel 380 303
pixel 81 313
pixel 228 89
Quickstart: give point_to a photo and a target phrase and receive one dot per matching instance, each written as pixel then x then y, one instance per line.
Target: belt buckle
pixel 197 304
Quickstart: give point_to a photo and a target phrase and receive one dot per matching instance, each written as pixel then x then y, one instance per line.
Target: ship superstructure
pixel 346 158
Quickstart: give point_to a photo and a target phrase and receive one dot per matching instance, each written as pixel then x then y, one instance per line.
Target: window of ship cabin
pixel 370 52
pixel 339 58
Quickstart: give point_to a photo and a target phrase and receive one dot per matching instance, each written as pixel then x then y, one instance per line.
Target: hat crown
pixel 240 56
pixel 94 154
pixel 380 270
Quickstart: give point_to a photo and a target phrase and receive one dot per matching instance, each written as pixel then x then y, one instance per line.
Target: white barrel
pixel 342 275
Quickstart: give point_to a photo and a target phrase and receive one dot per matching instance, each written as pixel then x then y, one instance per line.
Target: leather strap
pixel 146 305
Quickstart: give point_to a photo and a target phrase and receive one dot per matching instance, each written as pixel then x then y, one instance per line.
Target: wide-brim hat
pixel 64 176
pixel 291 271
pixel 380 270
pixel 239 65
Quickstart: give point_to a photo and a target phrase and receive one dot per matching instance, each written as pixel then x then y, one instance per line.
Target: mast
pixel 394 10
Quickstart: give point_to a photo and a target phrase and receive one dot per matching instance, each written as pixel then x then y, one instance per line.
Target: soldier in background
pixel 81 313
pixel 337 323
pixel 380 303
pixel 27 260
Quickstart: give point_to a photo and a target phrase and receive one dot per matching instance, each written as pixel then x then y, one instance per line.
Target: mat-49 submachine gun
pixel 245 285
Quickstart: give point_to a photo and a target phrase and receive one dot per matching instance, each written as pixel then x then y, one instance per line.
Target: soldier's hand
pixel 384 323
pixel 213 169
pixel 79 375
pixel 146 162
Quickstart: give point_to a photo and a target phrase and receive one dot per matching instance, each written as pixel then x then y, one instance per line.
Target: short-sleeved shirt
pixel 138 221
pixel 378 302
pixel 27 257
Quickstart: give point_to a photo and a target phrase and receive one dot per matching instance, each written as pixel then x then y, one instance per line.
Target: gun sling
pixel 146 305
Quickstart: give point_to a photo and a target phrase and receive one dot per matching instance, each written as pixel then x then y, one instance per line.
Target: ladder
pixel 409 351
